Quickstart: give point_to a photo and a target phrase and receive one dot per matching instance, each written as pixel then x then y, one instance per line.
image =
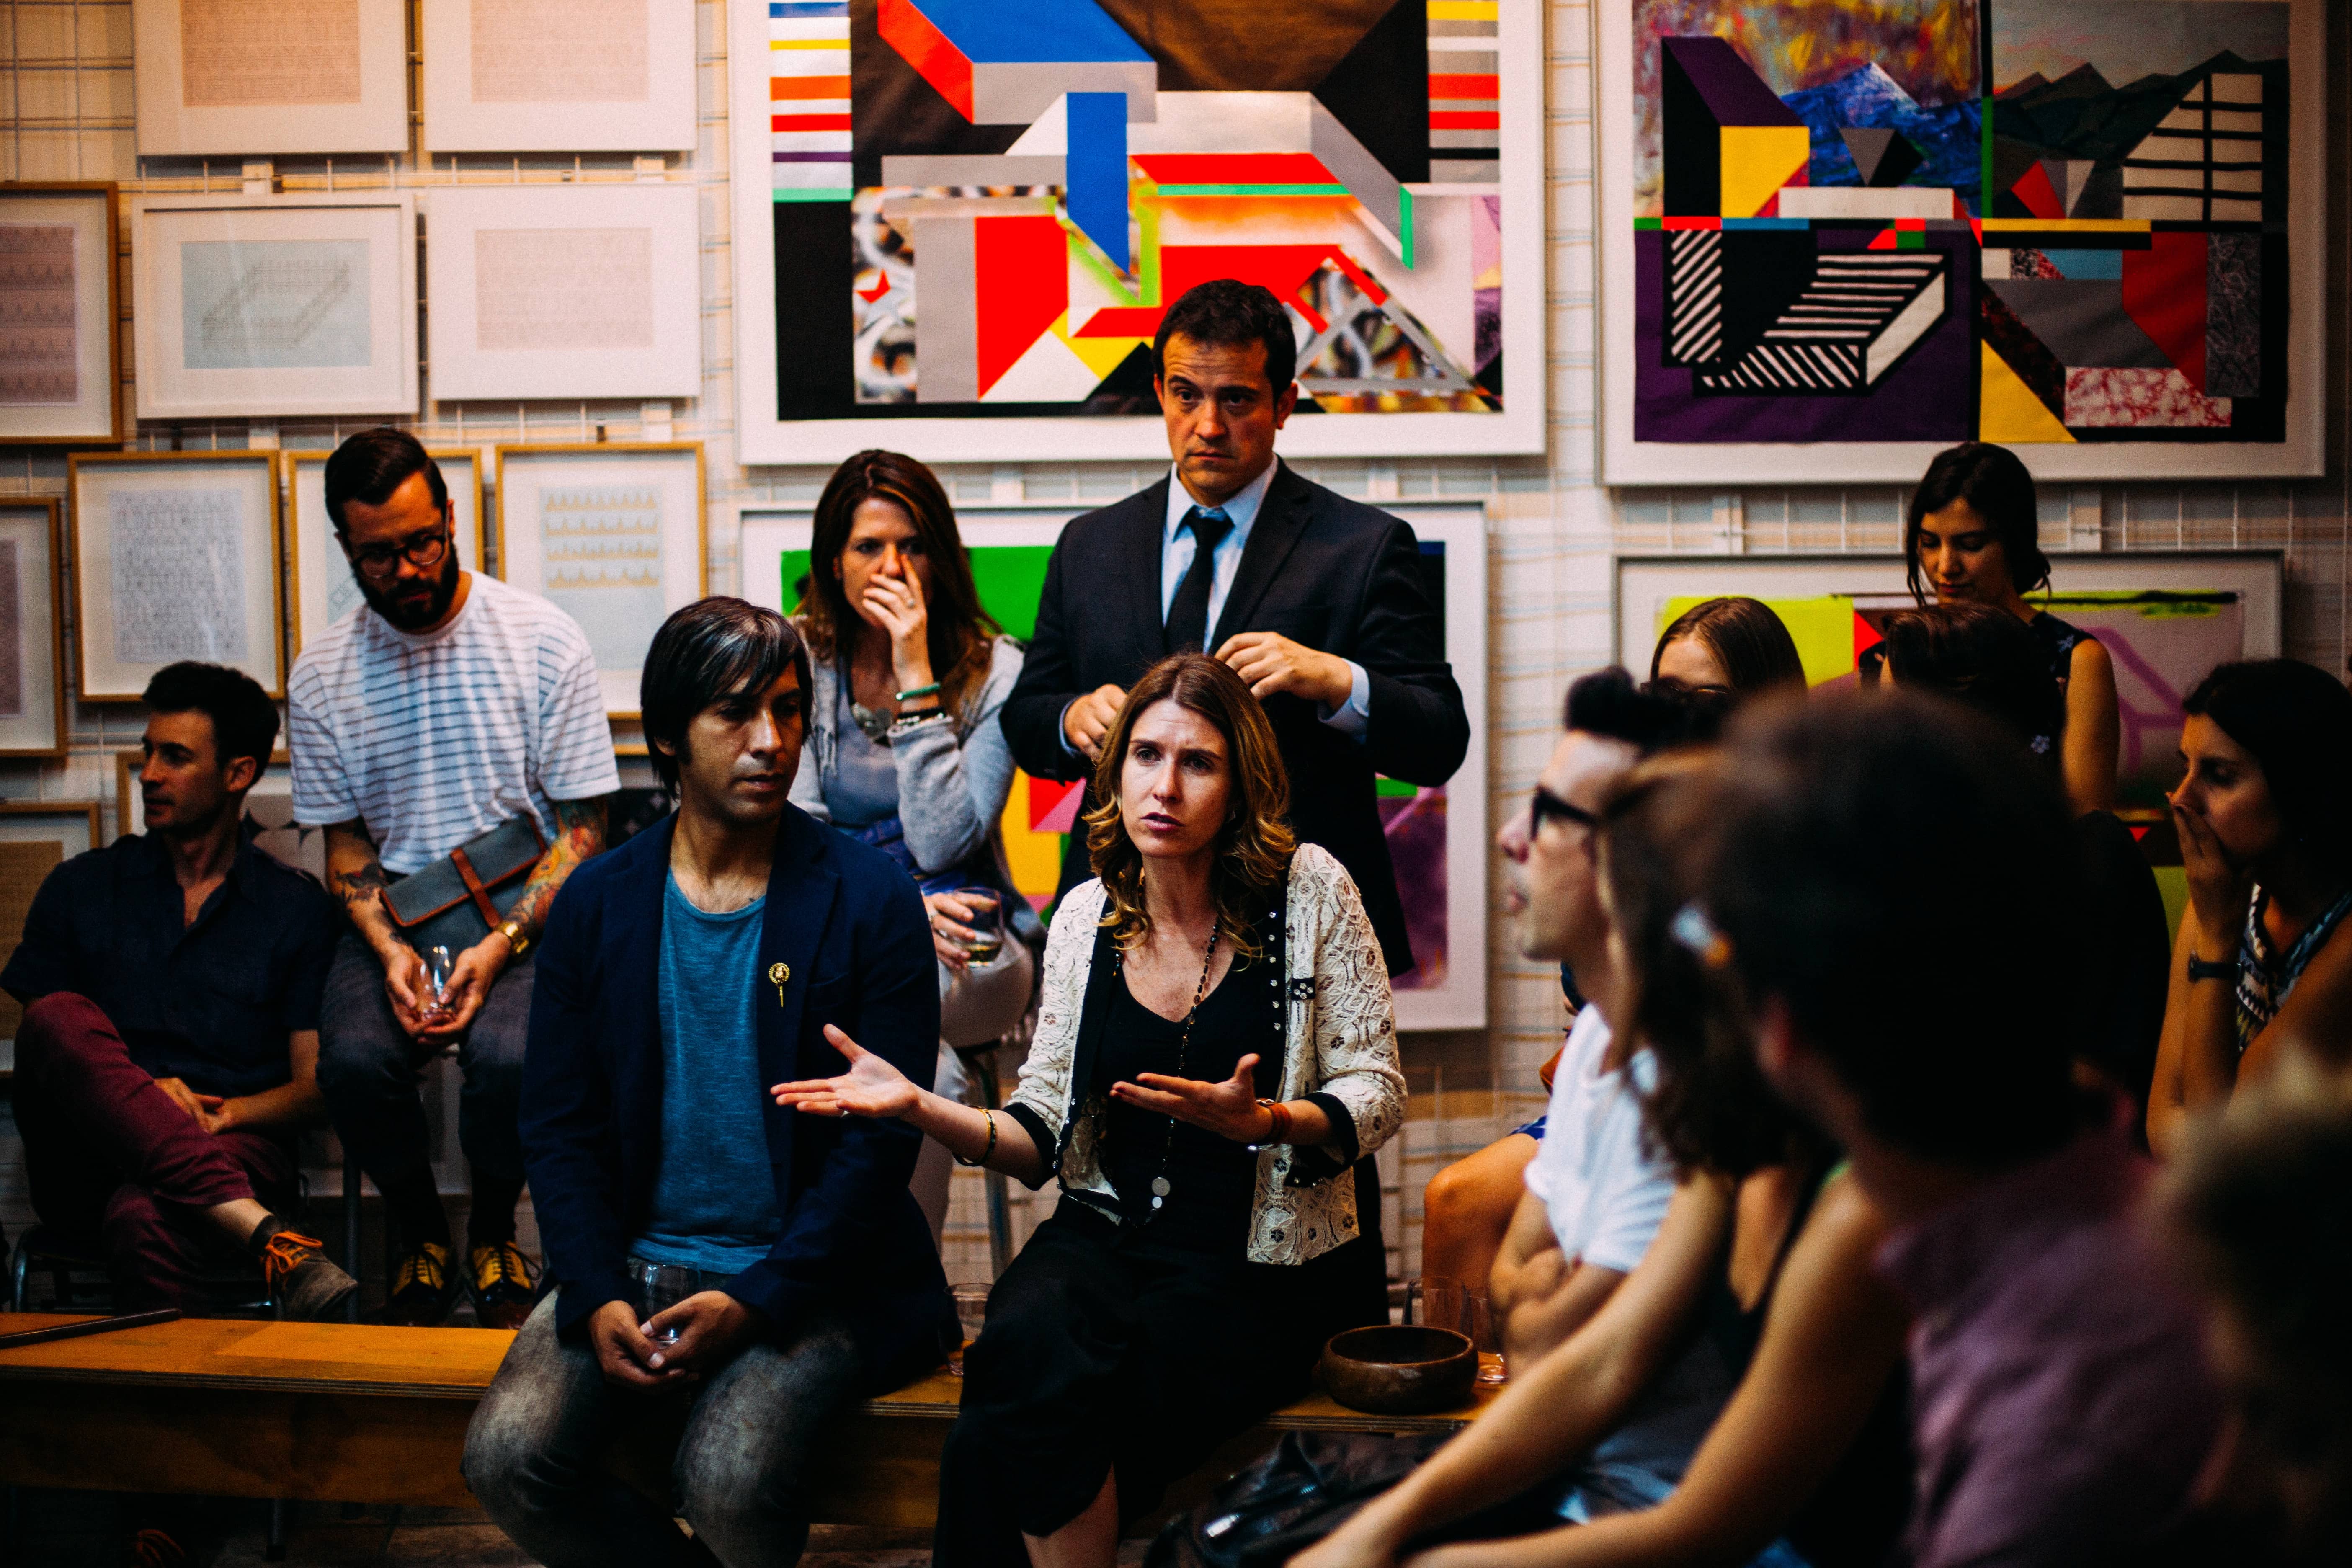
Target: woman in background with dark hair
pixel 1972 533
pixel 2263 960
pixel 1986 660
pixel 1726 650
pixel 904 752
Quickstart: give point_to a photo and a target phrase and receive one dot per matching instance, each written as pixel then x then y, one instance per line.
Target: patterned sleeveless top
pixel 2059 640
pixel 2265 976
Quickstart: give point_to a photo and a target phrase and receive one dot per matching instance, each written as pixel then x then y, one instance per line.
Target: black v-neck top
pixel 1211 1179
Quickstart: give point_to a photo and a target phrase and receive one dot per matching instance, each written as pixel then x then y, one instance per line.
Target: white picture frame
pixel 652 489
pixel 1629 462
pixel 60 362
pixel 219 77
pixel 275 305
pixel 564 291
pixel 1521 428
pixel 324 589
pixel 175 557
pixel 1458 998
pixel 549 76
pixel 32 630
pixel 73 827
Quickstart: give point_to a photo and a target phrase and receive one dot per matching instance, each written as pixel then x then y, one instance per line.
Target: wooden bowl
pixel 1400 1369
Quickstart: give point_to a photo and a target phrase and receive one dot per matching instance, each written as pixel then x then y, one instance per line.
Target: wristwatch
pixel 2227 968
pixel 512 931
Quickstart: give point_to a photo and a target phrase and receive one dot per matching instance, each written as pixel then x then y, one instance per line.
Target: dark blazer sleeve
pixel 859 1198
pixel 569 1140
pixel 1419 731
pixel 1032 716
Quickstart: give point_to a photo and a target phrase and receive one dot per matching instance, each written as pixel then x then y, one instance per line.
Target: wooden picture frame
pixel 577 92
pixel 91 289
pixel 653 475
pixel 21 875
pixel 301 304
pixel 324 588
pixel 286 77
pixel 31 540
pixel 234 543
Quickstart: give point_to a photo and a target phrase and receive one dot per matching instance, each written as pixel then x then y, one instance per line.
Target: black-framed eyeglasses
pixel 379 561
pixel 1544 806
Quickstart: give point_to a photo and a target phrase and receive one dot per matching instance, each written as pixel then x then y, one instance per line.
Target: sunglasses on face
pixel 1544 806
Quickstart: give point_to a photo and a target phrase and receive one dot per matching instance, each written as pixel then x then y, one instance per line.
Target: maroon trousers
pixel 113 1161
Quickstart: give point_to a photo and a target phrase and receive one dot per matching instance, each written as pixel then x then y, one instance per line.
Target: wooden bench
pixel 348 1413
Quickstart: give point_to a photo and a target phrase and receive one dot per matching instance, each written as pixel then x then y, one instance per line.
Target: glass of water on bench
pixel 972 1312
pixel 986 922
pixel 659 1286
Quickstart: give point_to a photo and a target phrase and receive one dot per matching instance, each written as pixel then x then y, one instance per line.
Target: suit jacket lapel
pixel 1140 570
pixel 633 985
pixel 1281 520
pixel 801 886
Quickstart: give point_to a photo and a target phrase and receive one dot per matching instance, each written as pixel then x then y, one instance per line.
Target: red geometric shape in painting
pixel 1054 807
pixel 881 286
pixel 1883 240
pixel 921 45
pixel 1866 637
pixel 1236 168
pixel 2164 294
pixel 2040 196
pixel 1019 286
pixel 1283 270
pixel 2141 833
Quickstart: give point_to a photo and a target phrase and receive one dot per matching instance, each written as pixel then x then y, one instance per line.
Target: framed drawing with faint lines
pixel 614 535
pixel 959 223
pixel 324 589
pixel 36 836
pixel 32 636
pixel 269 305
pixel 60 363
pixel 564 291
pixel 219 77
pixel 557 75
pixel 175 557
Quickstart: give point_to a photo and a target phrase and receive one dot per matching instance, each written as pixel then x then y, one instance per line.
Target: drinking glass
pixel 1450 1304
pixel 987 921
pixel 971 1313
pixel 659 1287
pixel 437 967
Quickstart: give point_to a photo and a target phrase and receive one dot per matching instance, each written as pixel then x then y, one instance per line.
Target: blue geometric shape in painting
pixel 1098 170
pixel 990 31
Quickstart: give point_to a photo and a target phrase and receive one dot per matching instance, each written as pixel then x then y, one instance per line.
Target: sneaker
pixel 498 1279
pixel 303 1280
pixel 422 1290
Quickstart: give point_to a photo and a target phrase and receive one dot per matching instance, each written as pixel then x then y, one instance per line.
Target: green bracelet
pixel 930 690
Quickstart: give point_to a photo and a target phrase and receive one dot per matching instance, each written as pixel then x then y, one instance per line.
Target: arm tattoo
pixel 579 834
pixel 355 884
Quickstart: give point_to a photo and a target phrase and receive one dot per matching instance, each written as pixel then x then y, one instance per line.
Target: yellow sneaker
pixel 499 1278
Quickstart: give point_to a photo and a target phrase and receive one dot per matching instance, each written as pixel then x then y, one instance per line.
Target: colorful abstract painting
pixel 978 210
pixel 2047 223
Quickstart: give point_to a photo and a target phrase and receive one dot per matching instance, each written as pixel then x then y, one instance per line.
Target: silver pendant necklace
pixel 1160 1185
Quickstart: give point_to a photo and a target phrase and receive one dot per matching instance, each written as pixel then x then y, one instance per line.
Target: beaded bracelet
pixel 930 690
pixel 1280 1131
pixel 984 1154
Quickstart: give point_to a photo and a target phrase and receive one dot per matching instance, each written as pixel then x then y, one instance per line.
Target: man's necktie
pixel 1187 614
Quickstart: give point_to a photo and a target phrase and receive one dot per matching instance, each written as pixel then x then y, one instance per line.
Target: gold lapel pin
pixel 778 974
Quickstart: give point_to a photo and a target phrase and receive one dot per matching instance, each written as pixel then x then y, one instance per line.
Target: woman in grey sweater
pixel 904 752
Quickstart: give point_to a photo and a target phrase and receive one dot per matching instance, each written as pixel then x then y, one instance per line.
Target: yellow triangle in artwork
pixel 1756 161
pixel 2007 410
pixel 1101 356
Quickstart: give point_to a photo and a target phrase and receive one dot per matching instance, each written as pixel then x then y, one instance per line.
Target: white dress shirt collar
pixel 1241 508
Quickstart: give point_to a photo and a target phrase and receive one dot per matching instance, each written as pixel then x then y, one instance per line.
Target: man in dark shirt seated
pixel 170 1044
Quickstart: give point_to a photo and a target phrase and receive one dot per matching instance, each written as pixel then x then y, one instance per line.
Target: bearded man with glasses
pixel 447 705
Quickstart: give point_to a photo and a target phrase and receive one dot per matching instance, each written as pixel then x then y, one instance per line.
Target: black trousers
pixel 1104 1350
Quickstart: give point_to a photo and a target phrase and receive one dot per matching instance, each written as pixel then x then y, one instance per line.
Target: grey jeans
pixel 535 1454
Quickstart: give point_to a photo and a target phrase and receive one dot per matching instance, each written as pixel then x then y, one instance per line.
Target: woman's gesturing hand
pixel 1229 1110
pixel 2219 888
pixel 871 1087
pixel 897 605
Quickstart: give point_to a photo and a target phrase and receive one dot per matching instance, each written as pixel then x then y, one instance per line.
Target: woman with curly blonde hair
pixel 1214 1052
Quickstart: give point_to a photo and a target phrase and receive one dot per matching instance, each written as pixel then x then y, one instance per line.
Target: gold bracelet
pixel 512 931
pixel 984 1154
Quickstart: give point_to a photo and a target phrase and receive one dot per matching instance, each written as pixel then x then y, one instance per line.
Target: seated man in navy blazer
pixel 678 977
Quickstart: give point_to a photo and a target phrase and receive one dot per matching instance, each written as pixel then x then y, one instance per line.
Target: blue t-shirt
pixel 714 1194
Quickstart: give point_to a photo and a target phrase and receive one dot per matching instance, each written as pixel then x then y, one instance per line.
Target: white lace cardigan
pixel 1339 1040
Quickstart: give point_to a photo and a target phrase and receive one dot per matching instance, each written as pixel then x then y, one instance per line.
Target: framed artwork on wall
pixel 1049 175
pixel 324 589
pixel 274 305
pixel 226 77
pixel 557 75
pixel 35 838
pixel 1834 242
pixel 32 636
pixel 550 291
pixel 176 556
pixel 1437 838
pixel 60 363
pixel 612 534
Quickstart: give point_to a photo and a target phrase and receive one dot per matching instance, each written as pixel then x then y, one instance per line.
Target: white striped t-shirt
pixel 433 738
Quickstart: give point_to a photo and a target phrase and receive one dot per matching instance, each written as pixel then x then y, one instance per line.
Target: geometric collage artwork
pixel 2022 221
pixel 982 208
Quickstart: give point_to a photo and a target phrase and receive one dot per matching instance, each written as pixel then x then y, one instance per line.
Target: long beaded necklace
pixel 1160 1185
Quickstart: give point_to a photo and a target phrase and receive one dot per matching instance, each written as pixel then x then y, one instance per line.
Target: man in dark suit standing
pixel 1319 602
pixel 761 1268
